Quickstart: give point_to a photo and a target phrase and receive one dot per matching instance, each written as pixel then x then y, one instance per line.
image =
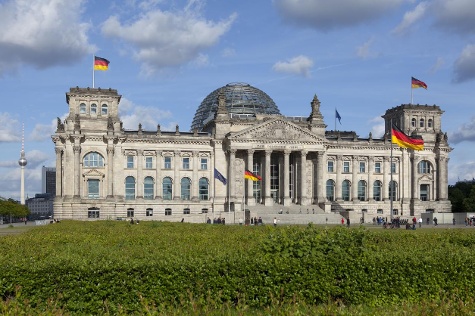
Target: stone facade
pixel 104 171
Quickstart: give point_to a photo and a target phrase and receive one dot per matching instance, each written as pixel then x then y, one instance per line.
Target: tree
pixel 12 208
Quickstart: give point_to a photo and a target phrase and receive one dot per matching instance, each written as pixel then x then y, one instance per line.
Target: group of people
pixel 219 220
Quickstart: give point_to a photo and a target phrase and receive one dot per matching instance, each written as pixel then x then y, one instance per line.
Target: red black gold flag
pixel 418 84
pixel 251 176
pixel 398 137
pixel 100 63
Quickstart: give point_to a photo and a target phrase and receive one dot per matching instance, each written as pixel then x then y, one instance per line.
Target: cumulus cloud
pixel 411 18
pixel 163 39
pixel 465 132
pixel 464 67
pixel 10 129
pixel 326 15
pixel 132 115
pixel 378 128
pixel 299 65
pixel 43 132
pixel 439 63
pixel 41 34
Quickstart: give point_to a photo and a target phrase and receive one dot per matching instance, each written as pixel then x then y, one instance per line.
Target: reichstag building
pixel 104 171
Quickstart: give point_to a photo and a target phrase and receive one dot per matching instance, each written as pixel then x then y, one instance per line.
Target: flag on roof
pixel 100 63
pixel 337 115
pixel 416 83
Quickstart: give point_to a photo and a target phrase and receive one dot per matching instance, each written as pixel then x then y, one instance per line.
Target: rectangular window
pixel 148 162
pixel 346 166
pixel 424 192
pixel 130 213
pixel 330 166
pixel 168 162
pixel 393 167
pixel 93 188
pixel 186 163
pixel 168 211
pixel 130 162
pixel 204 164
pixel 93 214
pixel 362 167
pixel 377 167
pixel 186 211
pixel 149 212
pixel 204 210
pixel 380 211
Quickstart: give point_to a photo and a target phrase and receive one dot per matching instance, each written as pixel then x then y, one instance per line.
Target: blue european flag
pixel 219 176
pixel 337 115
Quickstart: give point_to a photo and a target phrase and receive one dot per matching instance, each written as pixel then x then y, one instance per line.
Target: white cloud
pixel 411 17
pixel 461 172
pixel 464 67
pixel 457 16
pixel 364 51
pixel 10 129
pixel 43 132
pixel 299 65
pixel 163 39
pixel 132 115
pixel 41 33
pixel 377 131
pixel 465 132
pixel 439 63
pixel 326 15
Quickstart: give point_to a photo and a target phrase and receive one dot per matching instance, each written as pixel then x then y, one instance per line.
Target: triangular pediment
pixel 93 173
pixel 277 129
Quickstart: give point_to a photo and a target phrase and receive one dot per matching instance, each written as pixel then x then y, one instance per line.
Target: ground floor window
pixel 168 211
pixel 186 211
pixel 130 212
pixel 93 213
pixel 204 210
pixel 149 212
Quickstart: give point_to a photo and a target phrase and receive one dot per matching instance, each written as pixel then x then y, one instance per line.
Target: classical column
pixel 320 180
pixel 338 168
pixel 176 175
pixel 370 178
pixel 414 188
pixel 303 178
pixel 250 194
pixel 443 179
pixel 195 180
pixel 286 177
pixel 110 170
pixel 59 171
pixel 354 178
pixel 140 179
pixel 232 176
pixel 267 198
pixel 158 177
pixel 387 178
pixel 77 169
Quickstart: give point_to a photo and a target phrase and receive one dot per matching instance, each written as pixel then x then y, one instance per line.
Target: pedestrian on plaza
pixel 453 221
pixel 342 221
pixel 348 221
pixel 420 222
pixel 275 221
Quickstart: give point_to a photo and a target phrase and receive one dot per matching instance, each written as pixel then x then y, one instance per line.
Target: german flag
pixel 100 63
pixel 398 137
pixel 251 176
pixel 416 83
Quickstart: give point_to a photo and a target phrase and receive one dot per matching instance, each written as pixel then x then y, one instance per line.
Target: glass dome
pixel 241 98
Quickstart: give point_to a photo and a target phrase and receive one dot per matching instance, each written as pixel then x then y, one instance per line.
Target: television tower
pixel 22 162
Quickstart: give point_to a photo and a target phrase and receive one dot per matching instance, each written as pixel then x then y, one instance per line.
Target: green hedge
pixel 86 267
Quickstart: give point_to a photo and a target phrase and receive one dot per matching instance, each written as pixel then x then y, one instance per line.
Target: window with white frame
pixel 130 212
pixel 149 212
pixel 93 212
pixel 362 167
pixel 424 192
pixel 377 190
pixel 93 108
pixel 168 211
pixel 185 188
pixel 330 166
pixel 82 108
pixel 424 166
pixel 362 190
pixel 346 166
pixel 203 189
pixel 330 190
pixel 167 188
pixel 93 188
pixel 204 163
pixel 167 162
pixel 377 167
pixel 130 188
pixel 104 109
pixel 130 162
pixel 148 162
pixel 345 190
pixel 393 167
pixel 186 163
pixel 93 160
pixel 413 122
pixel 148 188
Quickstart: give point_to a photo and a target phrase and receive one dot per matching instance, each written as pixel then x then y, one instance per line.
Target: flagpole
pixel 93 71
pixel 335 119
pixel 412 91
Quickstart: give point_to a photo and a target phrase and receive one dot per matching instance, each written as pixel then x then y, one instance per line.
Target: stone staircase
pixel 295 214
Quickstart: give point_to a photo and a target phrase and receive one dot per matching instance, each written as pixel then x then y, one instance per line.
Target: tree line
pixel 13 209
pixel 462 196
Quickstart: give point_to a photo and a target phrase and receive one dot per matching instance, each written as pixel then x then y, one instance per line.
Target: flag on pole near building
pixel 251 176
pixel 337 115
pixel 101 63
pixel 219 176
pixel 416 83
pixel 398 137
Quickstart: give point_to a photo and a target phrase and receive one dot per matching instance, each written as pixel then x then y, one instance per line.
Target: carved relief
pixel 277 130
pixel 309 178
pixel 239 177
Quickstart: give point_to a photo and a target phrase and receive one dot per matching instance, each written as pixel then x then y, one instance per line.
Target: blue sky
pixel 358 56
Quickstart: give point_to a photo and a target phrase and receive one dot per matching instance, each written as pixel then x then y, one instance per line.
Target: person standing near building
pixel 275 221
pixel 420 222
pixel 348 221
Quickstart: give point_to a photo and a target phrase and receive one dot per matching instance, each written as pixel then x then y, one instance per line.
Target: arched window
pixel 104 109
pixel 203 189
pixel 429 123
pixel 421 122
pixel 148 188
pixel 393 190
pixel 82 108
pixel 93 160
pixel 93 108
pixel 330 190
pixel 424 166
pixel 362 190
pixel 377 190
pixel 167 188
pixel 413 122
pixel 345 190
pixel 185 188
pixel 130 188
